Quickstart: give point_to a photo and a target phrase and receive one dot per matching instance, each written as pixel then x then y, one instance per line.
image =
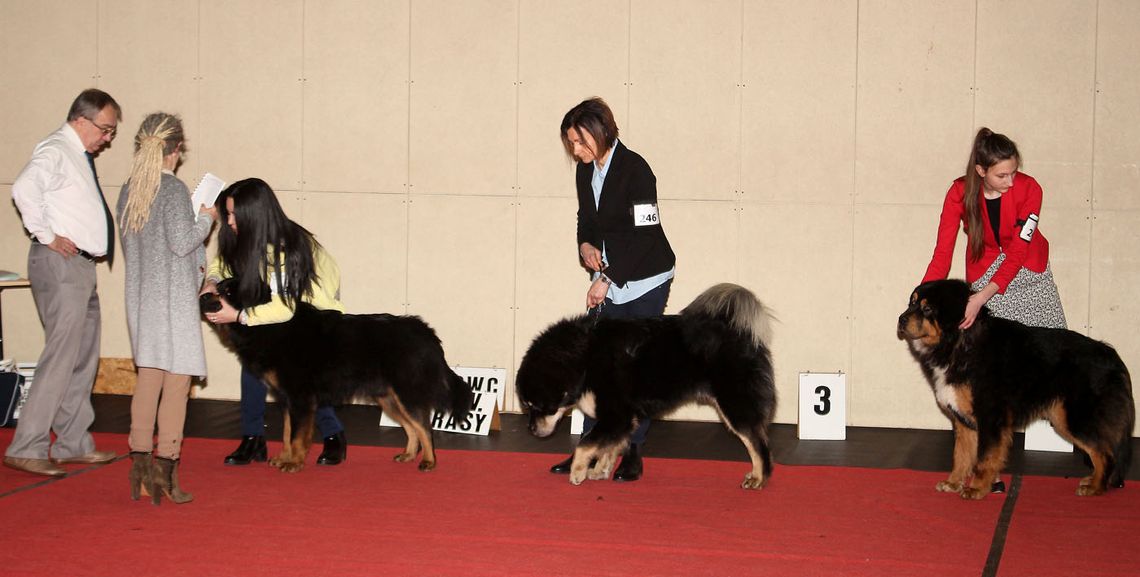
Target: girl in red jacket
pixel 1007 257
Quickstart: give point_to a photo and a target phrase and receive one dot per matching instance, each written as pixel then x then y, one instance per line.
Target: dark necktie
pixel 106 212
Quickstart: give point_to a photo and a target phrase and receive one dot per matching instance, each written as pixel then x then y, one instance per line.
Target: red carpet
pixel 493 513
pixel 1056 533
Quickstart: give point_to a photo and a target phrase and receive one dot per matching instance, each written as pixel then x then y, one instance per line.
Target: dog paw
pixel 426 466
pixel 576 477
pixel 598 474
pixel 1088 490
pixel 948 487
pixel 751 481
pixel 291 467
pixel 403 457
pixel 974 494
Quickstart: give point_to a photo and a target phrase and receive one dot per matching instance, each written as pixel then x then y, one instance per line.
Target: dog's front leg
pixel 292 458
pixel 993 449
pixel 602 468
pixel 965 455
pixel 580 467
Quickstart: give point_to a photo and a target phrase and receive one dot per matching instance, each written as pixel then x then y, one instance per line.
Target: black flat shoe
pixel 336 448
pixel 630 468
pixel 252 448
pixel 563 467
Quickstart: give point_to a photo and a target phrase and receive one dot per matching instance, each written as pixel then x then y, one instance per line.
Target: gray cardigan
pixel 165 263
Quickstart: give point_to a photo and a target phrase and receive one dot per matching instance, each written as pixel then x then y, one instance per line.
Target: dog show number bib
pixel 645 215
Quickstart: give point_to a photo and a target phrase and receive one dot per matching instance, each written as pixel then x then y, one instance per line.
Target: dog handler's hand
pixel 597 293
pixel 591 256
pixel 975 304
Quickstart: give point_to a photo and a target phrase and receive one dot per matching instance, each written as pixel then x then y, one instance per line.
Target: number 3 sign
pixel 823 406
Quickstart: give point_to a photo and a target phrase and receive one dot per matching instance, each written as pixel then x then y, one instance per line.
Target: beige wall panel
pixel 367 234
pixel 39 84
pixel 138 39
pixel 705 236
pixel 461 262
pixel 1116 150
pixel 115 340
pixel 356 95
pixel 549 283
pixel 1035 84
pixel 23 333
pixel 914 114
pixel 464 65
pixel 797 260
pixel 886 387
pixel 685 95
pixel 1115 275
pixel 566 54
pixel 1069 235
pixel 799 101
pixel 251 90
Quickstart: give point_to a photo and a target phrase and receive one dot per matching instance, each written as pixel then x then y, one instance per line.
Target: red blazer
pixel 1017 204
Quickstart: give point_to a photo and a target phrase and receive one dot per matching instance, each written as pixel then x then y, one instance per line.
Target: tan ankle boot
pixel 140 474
pixel 164 481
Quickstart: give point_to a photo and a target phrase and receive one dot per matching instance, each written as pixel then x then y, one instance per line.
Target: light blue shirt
pixel 634 288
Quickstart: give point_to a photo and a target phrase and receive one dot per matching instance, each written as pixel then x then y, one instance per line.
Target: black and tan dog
pixel 327 357
pixel 620 371
pixel 999 375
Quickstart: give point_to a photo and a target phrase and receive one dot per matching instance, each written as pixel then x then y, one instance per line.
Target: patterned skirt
pixel 1031 297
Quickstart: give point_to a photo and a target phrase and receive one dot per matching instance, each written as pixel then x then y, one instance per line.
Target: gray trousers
pixel 59 399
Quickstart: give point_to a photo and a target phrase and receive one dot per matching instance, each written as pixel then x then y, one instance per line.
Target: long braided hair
pixel 159 135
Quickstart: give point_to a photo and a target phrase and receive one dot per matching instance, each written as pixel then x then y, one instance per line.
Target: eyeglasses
pixel 107 130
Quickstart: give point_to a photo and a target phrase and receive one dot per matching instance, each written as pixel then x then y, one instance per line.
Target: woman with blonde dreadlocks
pixel 162 239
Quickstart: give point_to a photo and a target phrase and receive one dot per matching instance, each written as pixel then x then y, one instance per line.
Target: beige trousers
pixel 159 395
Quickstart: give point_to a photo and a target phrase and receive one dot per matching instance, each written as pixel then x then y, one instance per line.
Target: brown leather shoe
pixel 92 458
pixel 34 466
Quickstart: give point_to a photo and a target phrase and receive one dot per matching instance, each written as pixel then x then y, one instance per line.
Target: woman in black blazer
pixel 620 239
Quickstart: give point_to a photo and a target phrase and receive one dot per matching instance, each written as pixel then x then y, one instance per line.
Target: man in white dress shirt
pixel 64 211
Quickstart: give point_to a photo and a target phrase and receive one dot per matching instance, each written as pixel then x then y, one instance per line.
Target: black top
pixel 993 206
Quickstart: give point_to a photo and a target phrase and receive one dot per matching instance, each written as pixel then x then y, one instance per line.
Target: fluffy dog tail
pixel 1122 453
pixel 738 307
pixel 459 396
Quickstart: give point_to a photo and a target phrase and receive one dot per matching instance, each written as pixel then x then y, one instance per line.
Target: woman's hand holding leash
pixel 597 293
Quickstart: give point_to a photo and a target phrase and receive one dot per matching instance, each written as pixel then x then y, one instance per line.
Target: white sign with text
pixel 823 406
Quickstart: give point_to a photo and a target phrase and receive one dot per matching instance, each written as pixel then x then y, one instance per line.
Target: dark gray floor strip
pixel 997 545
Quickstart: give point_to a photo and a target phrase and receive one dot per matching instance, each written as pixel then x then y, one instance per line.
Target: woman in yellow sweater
pixel 277 263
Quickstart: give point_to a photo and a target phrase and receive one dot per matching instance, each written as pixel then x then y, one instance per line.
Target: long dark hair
pixel 592 115
pixel 264 230
pixel 989 149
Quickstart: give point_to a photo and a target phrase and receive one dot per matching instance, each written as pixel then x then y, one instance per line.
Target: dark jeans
pixel 253 409
pixel 650 304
